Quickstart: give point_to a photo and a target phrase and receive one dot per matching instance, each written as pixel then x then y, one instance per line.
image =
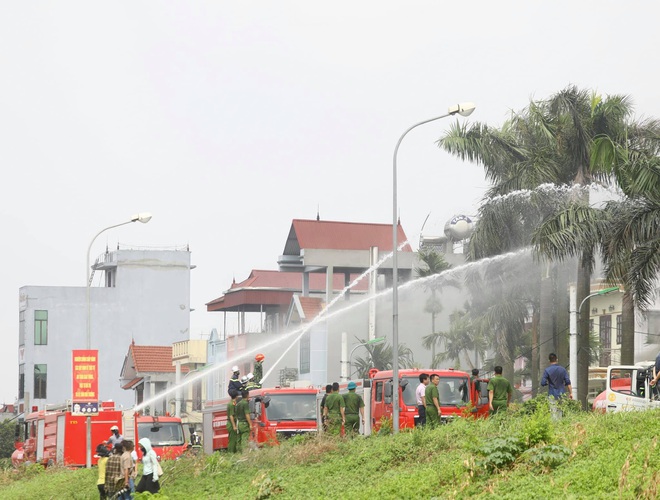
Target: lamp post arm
pixel 87 283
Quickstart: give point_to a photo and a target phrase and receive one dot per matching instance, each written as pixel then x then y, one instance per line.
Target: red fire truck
pixel 58 437
pixel 277 413
pixel 459 396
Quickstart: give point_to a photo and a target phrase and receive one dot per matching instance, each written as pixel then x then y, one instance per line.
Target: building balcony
pixel 189 352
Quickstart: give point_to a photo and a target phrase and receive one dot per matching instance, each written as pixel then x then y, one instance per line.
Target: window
pixel 618 329
pixel 40 376
pixel 197 396
pixel 21 381
pixel 605 333
pixel 379 391
pixel 305 353
pixel 40 327
pixel 21 328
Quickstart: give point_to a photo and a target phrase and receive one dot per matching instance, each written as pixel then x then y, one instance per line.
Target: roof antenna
pixel 318 212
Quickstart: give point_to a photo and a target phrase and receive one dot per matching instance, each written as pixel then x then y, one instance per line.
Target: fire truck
pixel 57 436
pixel 628 388
pixel 459 397
pixel 276 413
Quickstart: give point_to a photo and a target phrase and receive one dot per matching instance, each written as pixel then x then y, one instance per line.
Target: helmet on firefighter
pixel 250 376
pixel 234 368
pixel 114 428
pixel 351 385
pixel 244 379
pixel 259 358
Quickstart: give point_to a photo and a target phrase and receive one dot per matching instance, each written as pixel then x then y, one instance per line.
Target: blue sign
pixel 86 409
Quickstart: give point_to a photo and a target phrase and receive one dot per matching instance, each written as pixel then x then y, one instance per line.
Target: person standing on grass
pixel 244 422
pixel 127 470
pixel 354 411
pixel 432 400
pixel 556 378
pixel 232 425
pixel 334 410
pixel 420 397
pixel 499 392
pixel 149 480
pixel 102 453
pixel 114 480
pixel 324 419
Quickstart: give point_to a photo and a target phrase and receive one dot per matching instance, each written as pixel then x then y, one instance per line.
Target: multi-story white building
pixel 144 297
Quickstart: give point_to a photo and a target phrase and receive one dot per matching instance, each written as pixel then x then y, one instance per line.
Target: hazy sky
pixel 227 120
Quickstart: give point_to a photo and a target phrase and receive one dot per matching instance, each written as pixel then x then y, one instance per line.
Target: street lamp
pixel 141 217
pixel 377 340
pixel 464 109
pixel 575 313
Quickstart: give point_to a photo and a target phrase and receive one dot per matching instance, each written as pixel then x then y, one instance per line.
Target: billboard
pixel 85 380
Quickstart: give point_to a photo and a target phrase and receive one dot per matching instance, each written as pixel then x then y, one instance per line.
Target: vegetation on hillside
pixel 521 454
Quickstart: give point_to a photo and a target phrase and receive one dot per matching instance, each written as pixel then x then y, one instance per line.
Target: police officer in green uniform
pixel 354 411
pixel 499 392
pixel 244 421
pixel 334 410
pixel 432 397
pixel 232 425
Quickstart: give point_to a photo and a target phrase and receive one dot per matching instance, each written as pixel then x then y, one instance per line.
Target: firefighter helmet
pixel 234 368
pixel 244 379
pixel 259 358
pixel 250 376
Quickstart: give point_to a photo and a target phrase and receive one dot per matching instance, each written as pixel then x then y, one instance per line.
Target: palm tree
pixel 380 357
pixel 552 141
pixel 433 263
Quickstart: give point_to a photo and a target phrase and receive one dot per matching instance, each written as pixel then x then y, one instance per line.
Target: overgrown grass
pixel 521 454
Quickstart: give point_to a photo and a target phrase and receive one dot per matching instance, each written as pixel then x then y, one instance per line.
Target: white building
pixel 144 297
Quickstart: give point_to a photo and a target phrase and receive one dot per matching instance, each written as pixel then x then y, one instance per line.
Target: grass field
pixel 522 454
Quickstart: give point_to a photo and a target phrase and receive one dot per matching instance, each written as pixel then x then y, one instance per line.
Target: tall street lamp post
pixel 144 218
pixel 574 315
pixel 464 109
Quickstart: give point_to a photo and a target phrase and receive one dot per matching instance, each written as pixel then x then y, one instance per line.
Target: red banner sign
pixel 85 376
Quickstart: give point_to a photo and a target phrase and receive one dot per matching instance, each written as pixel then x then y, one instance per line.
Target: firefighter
pixel 244 422
pixel 252 383
pixel 232 425
pixel 115 438
pixel 354 411
pixel 234 381
pixel 258 368
pixel 432 398
pixel 334 410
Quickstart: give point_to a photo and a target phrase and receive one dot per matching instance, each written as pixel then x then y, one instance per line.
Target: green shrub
pixel 548 457
pixel 537 428
pixel 499 453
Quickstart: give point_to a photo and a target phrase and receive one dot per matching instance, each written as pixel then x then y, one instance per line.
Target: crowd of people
pixel 117 467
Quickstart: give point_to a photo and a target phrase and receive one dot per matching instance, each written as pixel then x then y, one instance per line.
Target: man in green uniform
pixel 499 392
pixel 334 410
pixel 354 411
pixel 432 398
pixel 244 421
pixel 232 425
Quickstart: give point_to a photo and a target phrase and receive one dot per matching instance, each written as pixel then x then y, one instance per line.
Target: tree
pixel 552 141
pixel 433 263
pixel 7 438
pixel 380 357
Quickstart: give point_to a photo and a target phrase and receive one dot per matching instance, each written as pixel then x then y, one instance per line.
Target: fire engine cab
pixel 276 413
pixel 459 396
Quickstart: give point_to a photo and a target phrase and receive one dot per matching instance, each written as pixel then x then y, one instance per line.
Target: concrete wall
pixel 149 304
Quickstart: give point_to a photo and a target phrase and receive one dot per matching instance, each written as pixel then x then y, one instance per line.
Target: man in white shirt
pixel 420 396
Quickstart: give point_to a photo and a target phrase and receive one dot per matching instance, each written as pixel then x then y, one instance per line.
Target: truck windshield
pixel 292 407
pixel 453 391
pixel 164 434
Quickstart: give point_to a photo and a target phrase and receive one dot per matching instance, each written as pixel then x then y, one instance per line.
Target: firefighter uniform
pixel 235 384
pixel 334 403
pixel 242 414
pixel 352 411
pixel 233 435
pixel 432 415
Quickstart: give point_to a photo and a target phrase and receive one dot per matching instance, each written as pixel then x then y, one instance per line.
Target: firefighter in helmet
pixel 234 382
pixel 258 368
pixel 252 383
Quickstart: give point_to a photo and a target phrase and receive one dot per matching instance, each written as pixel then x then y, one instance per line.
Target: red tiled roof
pixel 333 235
pixel 153 359
pixel 133 383
pixel 311 307
pixel 277 287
